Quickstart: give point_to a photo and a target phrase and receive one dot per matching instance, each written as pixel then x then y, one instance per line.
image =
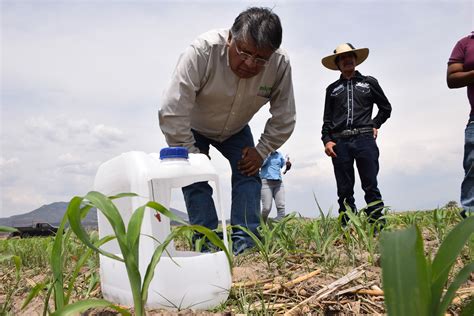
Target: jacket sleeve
pixel 327 118
pixel 283 114
pixel 385 109
pixel 179 99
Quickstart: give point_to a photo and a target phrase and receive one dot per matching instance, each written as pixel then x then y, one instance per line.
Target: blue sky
pixel 81 82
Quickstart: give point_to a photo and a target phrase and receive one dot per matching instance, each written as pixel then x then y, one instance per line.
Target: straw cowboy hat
pixel 330 61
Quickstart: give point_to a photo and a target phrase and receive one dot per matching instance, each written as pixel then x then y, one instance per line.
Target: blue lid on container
pixel 174 152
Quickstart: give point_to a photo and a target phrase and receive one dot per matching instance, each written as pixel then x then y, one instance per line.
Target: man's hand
pixel 251 161
pixel 288 166
pixel 376 132
pixel 329 149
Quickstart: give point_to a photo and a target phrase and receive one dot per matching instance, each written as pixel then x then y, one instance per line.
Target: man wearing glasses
pixel 220 82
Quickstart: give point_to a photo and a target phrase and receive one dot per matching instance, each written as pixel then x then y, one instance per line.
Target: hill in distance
pixel 54 212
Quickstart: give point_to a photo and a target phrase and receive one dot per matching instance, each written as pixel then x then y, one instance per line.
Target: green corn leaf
pixel 57 263
pixel 110 211
pixel 155 259
pixel 460 278
pixel 446 257
pixel 73 213
pixel 321 213
pixel 122 195
pixel 80 263
pixel 255 239
pixel 212 236
pixel 8 229
pixel 404 273
pixel 163 210
pixel 353 216
pixel 33 293
pixel 468 310
pixel 133 232
pixel 81 306
pixel 132 258
pixel 16 261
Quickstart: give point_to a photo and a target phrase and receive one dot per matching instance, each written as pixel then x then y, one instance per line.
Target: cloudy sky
pixel 81 82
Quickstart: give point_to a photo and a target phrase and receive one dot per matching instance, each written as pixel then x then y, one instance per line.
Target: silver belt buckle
pixel 346 132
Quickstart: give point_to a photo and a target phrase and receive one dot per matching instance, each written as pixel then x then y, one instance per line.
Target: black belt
pixel 353 132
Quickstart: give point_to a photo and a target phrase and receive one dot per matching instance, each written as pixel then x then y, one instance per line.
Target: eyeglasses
pixel 245 56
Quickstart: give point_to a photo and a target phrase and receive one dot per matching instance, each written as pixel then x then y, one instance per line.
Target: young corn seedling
pixel 365 231
pixel 322 231
pixel 413 284
pixel 266 244
pixel 10 289
pixel 128 239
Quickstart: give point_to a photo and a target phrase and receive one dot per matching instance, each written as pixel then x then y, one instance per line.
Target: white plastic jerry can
pixel 183 279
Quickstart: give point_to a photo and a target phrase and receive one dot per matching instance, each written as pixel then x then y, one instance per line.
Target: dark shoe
pixel 202 244
pixel 344 219
pixel 378 223
pixel 463 214
pixel 240 245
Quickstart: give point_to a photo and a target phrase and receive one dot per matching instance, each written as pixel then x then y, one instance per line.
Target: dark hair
pixel 337 58
pixel 260 25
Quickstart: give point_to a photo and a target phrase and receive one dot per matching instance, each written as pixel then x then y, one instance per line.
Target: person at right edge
pixel 461 74
pixel 349 132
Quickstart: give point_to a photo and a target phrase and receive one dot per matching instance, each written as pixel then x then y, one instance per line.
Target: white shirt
pixel 205 95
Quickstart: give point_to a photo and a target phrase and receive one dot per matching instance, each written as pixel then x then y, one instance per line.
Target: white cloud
pixel 41 126
pixel 8 163
pixel 21 199
pixel 64 131
pixel 107 135
pixel 70 164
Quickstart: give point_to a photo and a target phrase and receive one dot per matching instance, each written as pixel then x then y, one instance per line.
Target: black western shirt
pixel 349 105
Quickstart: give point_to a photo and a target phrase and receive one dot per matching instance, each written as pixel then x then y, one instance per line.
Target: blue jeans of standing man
pixel 245 209
pixel 363 150
pixel 467 186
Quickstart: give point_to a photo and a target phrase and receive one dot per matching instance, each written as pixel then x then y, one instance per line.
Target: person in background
pixel 222 79
pixel 460 74
pixel 349 132
pixel 272 184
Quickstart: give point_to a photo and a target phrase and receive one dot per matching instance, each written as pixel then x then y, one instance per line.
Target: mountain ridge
pixel 54 212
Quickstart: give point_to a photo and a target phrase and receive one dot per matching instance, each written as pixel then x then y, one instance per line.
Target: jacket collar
pixel 357 75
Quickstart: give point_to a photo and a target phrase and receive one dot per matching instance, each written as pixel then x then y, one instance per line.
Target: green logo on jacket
pixel 264 91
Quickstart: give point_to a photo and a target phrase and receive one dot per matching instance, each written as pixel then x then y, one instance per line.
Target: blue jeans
pixel 467 186
pixel 364 151
pixel 245 208
pixel 273 189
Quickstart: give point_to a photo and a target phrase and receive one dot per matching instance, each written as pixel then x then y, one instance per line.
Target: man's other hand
pixel 376 132
pixel 251 161
pixel 288 166
pixel 329 149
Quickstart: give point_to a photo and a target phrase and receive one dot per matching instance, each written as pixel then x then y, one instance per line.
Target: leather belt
pixel 353 132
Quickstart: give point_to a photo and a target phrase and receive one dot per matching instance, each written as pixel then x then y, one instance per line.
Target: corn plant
pixel 128 240
pixel 413 284
pixel 56 286
pixel 5 307
pixel 266 244
pixel 365 230
pixel 322 231
pixel 287 235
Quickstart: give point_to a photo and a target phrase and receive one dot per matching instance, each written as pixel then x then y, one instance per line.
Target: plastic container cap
pixel 173 152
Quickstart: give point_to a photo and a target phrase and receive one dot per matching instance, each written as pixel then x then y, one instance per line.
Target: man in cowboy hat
pixel 349 132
